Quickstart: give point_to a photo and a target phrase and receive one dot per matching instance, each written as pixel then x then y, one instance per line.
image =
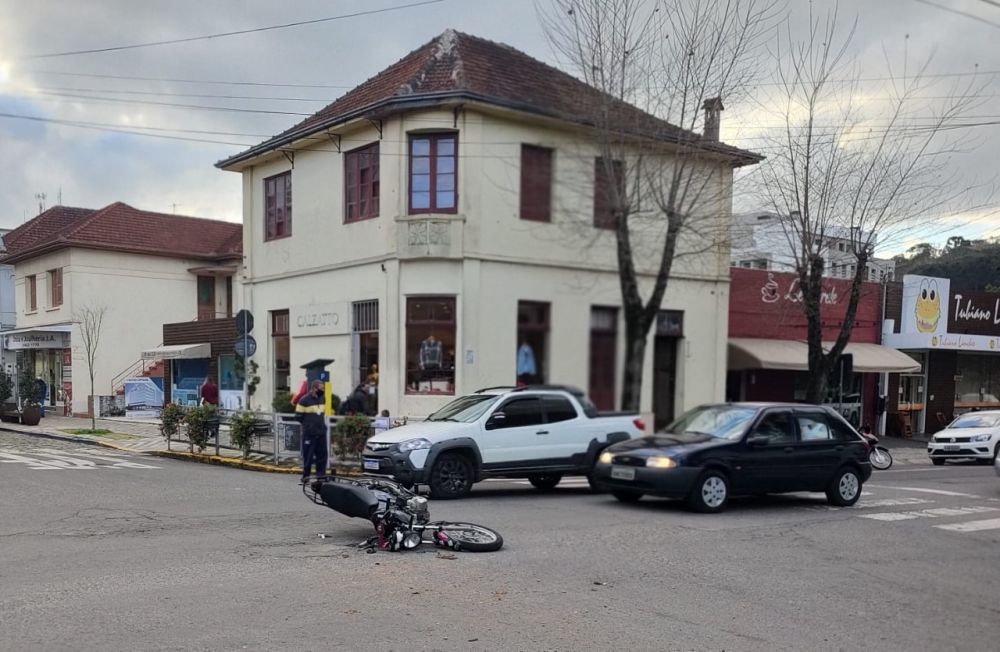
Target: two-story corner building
pixel 441 228
pixel 143 268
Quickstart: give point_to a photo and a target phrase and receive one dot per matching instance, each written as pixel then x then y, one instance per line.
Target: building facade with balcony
pixel 143 268
pixel 441 228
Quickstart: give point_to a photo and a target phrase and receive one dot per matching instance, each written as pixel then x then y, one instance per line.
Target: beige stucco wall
pixel 491 260
pixel 140 293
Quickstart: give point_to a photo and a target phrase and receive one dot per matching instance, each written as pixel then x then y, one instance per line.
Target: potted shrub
pixel 350 436
pixel 171 418
pixel 282 403
pixel 31 409
pixel 242 430
pixel 199 421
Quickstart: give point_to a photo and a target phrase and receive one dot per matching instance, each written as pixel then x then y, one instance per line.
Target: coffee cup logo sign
pixel 771 292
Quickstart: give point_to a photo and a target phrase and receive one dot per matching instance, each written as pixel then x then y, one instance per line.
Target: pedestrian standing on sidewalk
pixel 310 411
pixel 209 393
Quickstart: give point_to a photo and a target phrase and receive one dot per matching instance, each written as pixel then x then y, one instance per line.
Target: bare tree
pixel 91 322
pixel 658 67
pixel 848 171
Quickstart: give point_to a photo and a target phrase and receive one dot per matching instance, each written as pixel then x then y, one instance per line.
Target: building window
pixel 536 183
pixel 433 173
pixel 364 327
pixel 206 297
pixel 532 341
pixel 430 345
pixel 31 298
pixel 278 206
pixel 55 287
pixel 280 350
pixel 604 197
pixel 603 343
pixel 361 183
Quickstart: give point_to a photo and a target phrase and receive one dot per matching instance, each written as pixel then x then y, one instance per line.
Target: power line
pixel 959 12
pixel 114 130
pixel 201 107
pixel 183 81
pixel 204 37
pixel 58 89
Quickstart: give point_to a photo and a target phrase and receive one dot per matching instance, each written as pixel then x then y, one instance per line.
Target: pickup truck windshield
pixel 465 409
pixel 720 421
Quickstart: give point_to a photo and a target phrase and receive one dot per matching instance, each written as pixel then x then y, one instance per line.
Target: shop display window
pixel 430 345
pixel 977 381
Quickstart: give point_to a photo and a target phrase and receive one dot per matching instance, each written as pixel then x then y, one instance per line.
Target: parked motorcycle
pixel 879 456
pixel 400 516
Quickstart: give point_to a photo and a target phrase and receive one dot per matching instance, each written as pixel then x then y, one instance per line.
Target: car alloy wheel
pixel 710 492
pixel 848 486
pixel 713 491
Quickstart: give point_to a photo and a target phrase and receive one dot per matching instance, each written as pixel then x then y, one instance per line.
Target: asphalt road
pixel 121 552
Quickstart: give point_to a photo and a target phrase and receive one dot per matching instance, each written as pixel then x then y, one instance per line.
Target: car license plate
pixel 952 448
pixel 622 473
pixel 370 465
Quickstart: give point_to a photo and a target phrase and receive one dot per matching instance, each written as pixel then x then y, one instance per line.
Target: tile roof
pixel 457 65
pixel 120 227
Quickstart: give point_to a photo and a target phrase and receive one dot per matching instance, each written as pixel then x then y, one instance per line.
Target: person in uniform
pixel 309 410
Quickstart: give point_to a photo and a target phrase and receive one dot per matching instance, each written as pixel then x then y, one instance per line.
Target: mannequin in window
pixel 431 356
pixel 526 369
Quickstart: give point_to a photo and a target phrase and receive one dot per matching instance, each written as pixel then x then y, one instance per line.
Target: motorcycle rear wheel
pixel 469 537
pixel 880 458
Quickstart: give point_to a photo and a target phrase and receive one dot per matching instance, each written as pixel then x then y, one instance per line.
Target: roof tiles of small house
pixel 120 227
pixel 457 65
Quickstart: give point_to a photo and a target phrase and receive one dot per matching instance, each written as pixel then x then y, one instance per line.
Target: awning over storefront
pixel 793 355
pixel 53 328
pixel 178 352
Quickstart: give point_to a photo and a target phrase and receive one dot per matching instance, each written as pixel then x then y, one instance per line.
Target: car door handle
pixel 542 432
pixel 789 449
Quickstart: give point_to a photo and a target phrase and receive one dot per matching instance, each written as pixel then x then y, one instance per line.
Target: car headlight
pixel 980 438
pixel 413 445
pixel 606 457
pixel 661 462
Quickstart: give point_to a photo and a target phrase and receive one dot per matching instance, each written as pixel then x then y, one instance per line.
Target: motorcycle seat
pixel 348 499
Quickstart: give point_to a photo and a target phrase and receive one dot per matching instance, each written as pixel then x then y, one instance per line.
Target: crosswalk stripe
pixel 972 526
pixel 928 513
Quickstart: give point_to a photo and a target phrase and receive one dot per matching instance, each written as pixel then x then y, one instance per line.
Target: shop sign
pixel 39 340
pixel 319 319
pixel 971 312
pixel 670 323
pixel 773 292
pixel 925 304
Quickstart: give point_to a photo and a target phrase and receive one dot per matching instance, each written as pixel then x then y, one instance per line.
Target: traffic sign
pixel 244 322
pixel 245 346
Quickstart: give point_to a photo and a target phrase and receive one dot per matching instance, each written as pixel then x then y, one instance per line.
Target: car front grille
pixel 945 439
pixel 629 460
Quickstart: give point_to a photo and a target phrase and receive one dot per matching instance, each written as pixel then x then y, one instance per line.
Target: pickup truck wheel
pixel 451 477
pixel 545 482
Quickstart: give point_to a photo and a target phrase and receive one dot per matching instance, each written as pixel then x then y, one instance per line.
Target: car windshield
pixel 465 408
pixel 719 421
pixel 976 421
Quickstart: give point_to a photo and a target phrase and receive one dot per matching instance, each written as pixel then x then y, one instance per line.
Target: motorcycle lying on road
pixel 400 516
pixel 879 456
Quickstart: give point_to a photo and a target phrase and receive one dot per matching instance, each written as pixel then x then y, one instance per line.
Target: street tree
pixel 842 168
pixel 662 181
pixel 90 320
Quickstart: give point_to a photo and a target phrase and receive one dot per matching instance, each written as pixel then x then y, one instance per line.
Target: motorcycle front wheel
pixel 880 458
pixel 468 537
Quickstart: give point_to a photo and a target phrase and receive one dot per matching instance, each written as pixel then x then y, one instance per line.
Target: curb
pixel 235 462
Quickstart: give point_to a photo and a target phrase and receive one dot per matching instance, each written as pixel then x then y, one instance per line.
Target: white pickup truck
pixel 538 432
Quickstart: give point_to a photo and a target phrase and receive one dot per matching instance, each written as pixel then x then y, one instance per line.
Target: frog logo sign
pixel 927 307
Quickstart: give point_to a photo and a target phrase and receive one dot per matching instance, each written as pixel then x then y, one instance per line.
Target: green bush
pixel 198 424
pixel 282 403
pixel 26 387
pixel 241 433
pixel 6 387
pixel 170 420
pixel 350 436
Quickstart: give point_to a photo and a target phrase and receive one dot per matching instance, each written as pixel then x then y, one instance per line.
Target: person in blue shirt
pixel 526 369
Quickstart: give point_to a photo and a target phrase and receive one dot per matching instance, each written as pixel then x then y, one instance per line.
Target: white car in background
pixel 974 435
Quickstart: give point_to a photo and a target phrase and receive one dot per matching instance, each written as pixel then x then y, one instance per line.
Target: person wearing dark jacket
pixel 357 402
pixel 310 412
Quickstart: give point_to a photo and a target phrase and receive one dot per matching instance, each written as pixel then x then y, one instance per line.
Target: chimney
pixel 713 107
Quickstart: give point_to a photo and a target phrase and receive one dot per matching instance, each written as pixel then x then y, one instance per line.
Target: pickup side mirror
pixel 758 441
pixel 496 420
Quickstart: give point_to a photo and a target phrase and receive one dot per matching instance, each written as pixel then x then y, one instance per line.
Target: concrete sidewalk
pixel 143 437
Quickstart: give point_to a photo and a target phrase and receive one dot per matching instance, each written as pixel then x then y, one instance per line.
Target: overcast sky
pixel 92 168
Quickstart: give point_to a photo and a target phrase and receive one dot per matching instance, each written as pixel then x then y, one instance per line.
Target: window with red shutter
pixel 536 183
pixel 361 183
pixel 278 206
pixel 56 287
pixel 604 217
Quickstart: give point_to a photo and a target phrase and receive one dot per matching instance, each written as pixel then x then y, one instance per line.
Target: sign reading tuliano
pixel 974 313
